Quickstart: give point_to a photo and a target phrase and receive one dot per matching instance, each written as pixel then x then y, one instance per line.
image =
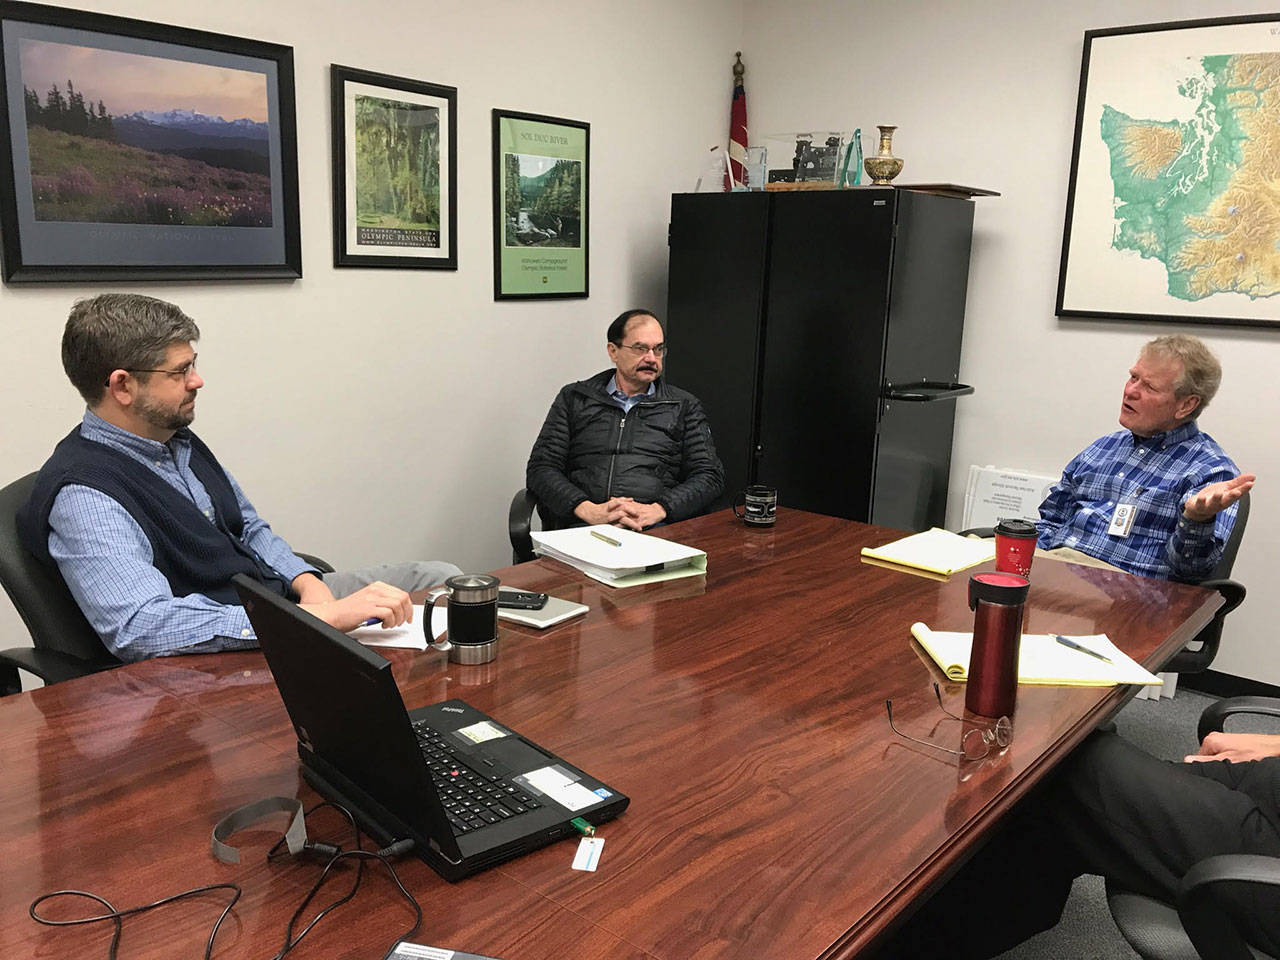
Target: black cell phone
pixel 521 600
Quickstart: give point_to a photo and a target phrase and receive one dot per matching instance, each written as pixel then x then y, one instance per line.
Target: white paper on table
pixel 608 553
pixel 407 636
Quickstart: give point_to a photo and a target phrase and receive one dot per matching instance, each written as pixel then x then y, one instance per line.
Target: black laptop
pixel 468 790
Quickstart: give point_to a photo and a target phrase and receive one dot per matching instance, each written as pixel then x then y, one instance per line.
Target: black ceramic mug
pixel 759 506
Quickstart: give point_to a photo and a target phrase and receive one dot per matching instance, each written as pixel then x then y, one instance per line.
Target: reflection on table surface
pixel 743 712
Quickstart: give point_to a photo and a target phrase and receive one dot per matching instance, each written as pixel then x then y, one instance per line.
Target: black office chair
pixel 65 645
pixel 1199 653
pixel 520 522
pixel 1198 926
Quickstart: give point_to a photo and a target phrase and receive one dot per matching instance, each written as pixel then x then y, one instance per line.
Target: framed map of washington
pixel 1173 209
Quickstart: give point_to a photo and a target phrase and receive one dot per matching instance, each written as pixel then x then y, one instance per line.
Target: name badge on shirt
pixel 1122 519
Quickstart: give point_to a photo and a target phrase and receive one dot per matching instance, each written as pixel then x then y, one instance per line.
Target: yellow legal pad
pixel 1042 660
pixel 935 550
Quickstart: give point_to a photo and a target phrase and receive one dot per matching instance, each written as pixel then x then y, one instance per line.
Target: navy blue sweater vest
pixel 194 555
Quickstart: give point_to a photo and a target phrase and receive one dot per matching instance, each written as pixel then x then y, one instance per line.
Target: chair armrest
pixel 1233 592
pixel 1204 916
pixel 983 532
pixel 1197 661
pixel 519 522
pixel 322 565
pixel 1215 715
pixel 51 666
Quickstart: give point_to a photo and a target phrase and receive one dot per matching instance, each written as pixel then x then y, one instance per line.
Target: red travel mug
pixel 1015 546
pixel 997 600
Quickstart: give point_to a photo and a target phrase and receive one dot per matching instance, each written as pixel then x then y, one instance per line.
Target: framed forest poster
pixel 394 172
pixel 541 171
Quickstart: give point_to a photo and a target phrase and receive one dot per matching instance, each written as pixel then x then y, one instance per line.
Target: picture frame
pixel 395 180
pixel 1167 213
pixel 171 155
pixel 541 207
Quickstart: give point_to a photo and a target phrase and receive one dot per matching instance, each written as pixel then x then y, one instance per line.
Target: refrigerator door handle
pixel 924 391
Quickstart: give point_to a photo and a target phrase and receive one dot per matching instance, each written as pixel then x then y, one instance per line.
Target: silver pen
pixel 1081 647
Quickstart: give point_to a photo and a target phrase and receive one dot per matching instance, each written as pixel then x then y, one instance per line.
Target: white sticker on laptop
pixel 568 793
pixel 482 731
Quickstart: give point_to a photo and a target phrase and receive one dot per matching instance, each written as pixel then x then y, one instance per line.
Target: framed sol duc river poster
pixel 395 183
pixel 136 151
pixel 540 210
pixel 1171 209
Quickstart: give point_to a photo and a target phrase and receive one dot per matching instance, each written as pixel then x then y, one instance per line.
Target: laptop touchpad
pixel 515 754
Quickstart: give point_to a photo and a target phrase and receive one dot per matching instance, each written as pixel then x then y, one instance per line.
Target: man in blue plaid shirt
pixel 1158 497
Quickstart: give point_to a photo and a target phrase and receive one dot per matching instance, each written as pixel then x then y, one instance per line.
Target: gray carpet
pixel 1164 728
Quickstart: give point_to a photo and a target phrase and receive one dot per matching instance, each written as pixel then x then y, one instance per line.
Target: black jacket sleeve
pixel 701 473
pixel 545 475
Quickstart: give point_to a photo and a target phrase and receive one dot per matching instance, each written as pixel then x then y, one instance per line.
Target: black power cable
pixel 117 916
pixel 362 855
pixel 331 853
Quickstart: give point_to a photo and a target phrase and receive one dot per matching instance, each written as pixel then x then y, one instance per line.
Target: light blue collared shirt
pixel 622 399
pixel 107 561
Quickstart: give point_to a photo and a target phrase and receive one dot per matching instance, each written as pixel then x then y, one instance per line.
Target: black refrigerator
pixel 822 330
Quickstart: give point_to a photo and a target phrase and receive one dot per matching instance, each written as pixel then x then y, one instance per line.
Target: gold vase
pixel 884 166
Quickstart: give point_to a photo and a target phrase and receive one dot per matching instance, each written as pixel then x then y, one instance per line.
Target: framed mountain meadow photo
pixel 136 151
pixel 541 171
pixel 395 183
pixel 1171 211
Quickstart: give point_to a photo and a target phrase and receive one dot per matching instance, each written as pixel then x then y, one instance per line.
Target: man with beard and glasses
pixel 143 523
pixel 625 447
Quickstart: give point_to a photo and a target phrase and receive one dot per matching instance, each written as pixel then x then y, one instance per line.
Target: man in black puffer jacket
pixel 625 447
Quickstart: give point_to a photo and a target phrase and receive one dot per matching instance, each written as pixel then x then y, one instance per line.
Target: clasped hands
pixel 378 600
pixel 621 512
pixel 1207 502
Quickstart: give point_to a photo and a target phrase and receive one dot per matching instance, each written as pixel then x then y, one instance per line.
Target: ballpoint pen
pixel 609 540
pixel 1081 647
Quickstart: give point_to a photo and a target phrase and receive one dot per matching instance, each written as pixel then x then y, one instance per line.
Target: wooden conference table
pixel 773 813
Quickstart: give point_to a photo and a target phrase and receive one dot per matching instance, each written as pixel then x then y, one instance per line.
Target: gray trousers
pixel 411 575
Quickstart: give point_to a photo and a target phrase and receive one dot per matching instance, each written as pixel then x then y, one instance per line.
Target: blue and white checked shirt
pixel 106 559
pixel 1157 474
pixel 622 399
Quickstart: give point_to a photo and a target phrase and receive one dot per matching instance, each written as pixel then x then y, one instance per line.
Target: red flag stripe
pixel 737 136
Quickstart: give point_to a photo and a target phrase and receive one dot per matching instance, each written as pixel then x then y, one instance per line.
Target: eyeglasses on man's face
pixel 183 372
pixel 976 742
pixel 640 349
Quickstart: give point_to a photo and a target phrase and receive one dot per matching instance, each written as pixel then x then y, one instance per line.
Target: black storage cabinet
pixel 822 331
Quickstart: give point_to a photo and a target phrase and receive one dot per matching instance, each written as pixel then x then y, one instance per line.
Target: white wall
pixel 378 414
pixel 984 94
pixel 383 414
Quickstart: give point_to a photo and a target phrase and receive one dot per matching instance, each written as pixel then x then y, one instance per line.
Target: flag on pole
pixel 737 130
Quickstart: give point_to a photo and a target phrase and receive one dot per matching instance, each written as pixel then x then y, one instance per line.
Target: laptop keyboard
pixel 471 797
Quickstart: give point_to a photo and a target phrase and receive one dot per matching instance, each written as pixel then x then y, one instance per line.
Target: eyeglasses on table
pixel 976 742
